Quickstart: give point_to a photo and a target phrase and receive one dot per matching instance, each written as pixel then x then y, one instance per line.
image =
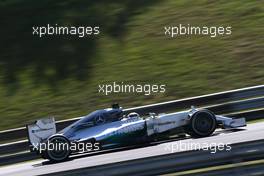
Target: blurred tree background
pixel 59 75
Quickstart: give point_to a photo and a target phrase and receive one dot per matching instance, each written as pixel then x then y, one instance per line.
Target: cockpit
pixel 95 118
pixel 102 116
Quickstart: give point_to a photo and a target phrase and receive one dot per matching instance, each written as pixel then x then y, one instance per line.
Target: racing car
pixel 112 128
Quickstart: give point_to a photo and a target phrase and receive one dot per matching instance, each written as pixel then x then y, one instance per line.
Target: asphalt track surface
pixel 37 167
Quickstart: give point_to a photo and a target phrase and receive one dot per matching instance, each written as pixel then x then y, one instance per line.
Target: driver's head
pixel 133 115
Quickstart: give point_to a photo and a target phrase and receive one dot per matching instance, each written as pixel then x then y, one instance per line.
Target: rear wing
pixel 40 131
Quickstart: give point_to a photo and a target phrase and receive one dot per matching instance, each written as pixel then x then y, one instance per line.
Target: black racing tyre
pixel 59 149
pixel 202 124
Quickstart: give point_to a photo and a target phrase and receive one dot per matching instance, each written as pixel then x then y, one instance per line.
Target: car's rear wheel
pixel 202 124
pixel 59 149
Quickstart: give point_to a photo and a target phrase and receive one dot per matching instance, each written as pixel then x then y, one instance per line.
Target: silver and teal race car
pixel 110 128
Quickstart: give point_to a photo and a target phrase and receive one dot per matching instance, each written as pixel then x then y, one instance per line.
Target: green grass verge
pixel 134 51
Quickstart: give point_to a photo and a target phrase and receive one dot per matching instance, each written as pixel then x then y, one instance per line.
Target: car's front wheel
pixel 202 124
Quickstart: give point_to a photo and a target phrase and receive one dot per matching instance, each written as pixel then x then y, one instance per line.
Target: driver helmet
pixel 133 115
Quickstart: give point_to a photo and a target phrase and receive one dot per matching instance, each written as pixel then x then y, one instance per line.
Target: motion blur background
pixel 59 75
